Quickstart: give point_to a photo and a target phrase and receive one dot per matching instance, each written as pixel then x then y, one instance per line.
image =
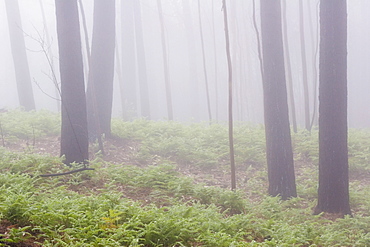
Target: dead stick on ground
pixel 66 173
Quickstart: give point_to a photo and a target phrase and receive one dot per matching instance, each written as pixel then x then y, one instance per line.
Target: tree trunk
pixel 204 64
pixel 315 49
pixel 215 63
pixel 49 53
pixel 128 57
pixel 333 192
pixel 194 109
pixel 304 68
pixel 141 60
pixel 74 136
pixel 101 71
pixel 86 35
pixel 22 71
pixel 230 82
pixel 165 64
pixel 278 141
pixel 289 79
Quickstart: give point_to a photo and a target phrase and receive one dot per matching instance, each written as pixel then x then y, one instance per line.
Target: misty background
pixel 182 33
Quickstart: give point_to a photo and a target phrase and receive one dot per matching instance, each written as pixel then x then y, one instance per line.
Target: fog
pixel 185 58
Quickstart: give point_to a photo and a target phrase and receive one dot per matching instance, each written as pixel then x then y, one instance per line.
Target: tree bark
pixel 141 60
pixel 315 49
pixel 194 109
pixel 22 71
pixel 278 141
pixel 101 70
pixel 230 83
pixel 289 79
pixel 304 68
pixel 128 86
pixel 333 191
pixel 74 135
pixel 49 53
pixel 215 63
pixel 165 64
pixel 204 64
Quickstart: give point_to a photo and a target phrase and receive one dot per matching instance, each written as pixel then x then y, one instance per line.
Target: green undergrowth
pixel 150 201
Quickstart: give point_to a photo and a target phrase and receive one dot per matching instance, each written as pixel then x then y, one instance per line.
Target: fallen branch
pixel 66 173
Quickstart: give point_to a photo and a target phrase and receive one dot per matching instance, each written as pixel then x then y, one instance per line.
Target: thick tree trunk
pixel 278 141
pixel 333 192
pixel 141 60
pixel 22 71
pixel 101 70
pixel 74 136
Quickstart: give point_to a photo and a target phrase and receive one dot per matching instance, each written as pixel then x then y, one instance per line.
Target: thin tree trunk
pixel 141 59
pixel 304 68
pixel 193 84
pixel 120 80
pixel 288 68
pixel 86 35
pixel 315 45
pixel 165 63
pixel 22 71
pixel 128 86
pixel 204 64
pixel 258 37
pixel 51 56
pixel 230 83
pixel 215 60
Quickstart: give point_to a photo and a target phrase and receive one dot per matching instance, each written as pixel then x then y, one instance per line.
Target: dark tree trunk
pixel 101 70
pixel 333 192
pixel 165 63
pixel 278 141
pixel 22 71
pixel 141 61
pixel 74 136
pixel 128 86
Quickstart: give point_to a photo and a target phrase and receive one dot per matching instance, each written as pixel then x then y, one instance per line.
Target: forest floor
pixel 119 151
pixel 251 173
